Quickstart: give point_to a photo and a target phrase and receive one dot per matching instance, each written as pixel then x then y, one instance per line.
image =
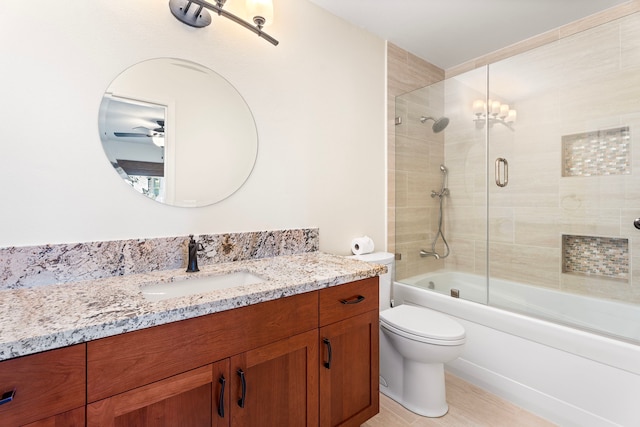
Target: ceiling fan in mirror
pixel 154 131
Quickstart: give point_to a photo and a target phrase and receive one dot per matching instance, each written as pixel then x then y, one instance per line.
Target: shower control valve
pixel 636 223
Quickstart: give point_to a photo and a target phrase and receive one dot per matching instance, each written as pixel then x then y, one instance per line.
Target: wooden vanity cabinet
pixel 49 388
pixel 273 385
pixel 123 362
pixel 349 337
pixel 305 360
pixel 156 376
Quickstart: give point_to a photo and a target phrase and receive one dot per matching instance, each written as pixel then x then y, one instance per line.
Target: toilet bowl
pixel 415 343
pixel 418 342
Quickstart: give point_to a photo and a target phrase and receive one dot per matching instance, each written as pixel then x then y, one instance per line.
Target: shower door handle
pixel 502 165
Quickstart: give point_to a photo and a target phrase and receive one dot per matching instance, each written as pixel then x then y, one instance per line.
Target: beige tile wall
pixel 406 72
pixel 419 153
pixel 545 38
pixel 586 82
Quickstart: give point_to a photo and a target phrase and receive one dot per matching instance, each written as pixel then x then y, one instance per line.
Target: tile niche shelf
pixel 606 257
pixel 597 153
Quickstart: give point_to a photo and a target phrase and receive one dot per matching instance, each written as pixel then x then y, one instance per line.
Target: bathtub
pixel 569 375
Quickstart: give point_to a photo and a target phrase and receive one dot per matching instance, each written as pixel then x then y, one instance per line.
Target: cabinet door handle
pixel 223 382
pixel 353 300
pixel 243 381
pixel 7 397
pixel 328 343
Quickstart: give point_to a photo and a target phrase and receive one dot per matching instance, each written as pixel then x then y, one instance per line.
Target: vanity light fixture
pixel 193 13
pixel 493 112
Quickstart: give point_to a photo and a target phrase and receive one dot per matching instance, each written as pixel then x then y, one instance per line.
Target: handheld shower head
pixel 444 191
pixel 438 124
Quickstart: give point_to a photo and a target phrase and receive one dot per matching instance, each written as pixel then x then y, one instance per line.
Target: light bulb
pixel 495 107
pixel 158 140
pixel 260 12
pixel 478 107
pixel 504 111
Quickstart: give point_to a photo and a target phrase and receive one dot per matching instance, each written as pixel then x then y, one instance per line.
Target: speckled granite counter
pixel 44 318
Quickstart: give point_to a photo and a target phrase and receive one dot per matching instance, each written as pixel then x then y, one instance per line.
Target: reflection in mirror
pixel 177 132
pixel 136 143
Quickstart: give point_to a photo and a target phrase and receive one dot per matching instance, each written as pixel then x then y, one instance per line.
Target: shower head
pixel 438 124
pixel 444 169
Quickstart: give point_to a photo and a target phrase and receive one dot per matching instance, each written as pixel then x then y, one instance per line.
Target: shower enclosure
pixel 542 153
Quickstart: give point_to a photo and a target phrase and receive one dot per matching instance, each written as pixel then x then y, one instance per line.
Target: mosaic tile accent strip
pixel 33 266
pixel 603 152
pixel 597 256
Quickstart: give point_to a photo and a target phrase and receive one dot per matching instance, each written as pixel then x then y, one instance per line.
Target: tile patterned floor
pixel 469 406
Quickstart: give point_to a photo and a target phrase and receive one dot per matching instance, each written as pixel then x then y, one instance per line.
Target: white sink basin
pixel 199 285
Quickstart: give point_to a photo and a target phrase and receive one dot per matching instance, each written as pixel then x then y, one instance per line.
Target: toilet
pixel 415 343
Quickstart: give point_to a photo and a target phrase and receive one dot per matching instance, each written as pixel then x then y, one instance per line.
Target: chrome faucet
pixel 194 247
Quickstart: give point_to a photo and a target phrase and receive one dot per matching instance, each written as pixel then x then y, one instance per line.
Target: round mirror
pixel 178 132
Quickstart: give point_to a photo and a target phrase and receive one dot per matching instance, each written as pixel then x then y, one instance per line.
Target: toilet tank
pixel 386 279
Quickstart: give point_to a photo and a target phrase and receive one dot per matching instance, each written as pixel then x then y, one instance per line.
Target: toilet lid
pixel 422 322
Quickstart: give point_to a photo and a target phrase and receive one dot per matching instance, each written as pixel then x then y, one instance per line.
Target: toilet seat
pixel 422 324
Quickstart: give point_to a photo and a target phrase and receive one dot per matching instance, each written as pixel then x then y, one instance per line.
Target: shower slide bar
pixel 444 191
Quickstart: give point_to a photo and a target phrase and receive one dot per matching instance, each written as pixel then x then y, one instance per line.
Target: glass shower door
pixel 441 193
pixel 561 225
pixel 465 154
pixel 541 190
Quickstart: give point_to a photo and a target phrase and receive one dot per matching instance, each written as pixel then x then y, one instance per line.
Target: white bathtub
pixel 567 375
pixel 616 318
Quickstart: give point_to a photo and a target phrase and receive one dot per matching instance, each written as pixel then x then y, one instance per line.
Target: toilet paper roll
pixel 362 245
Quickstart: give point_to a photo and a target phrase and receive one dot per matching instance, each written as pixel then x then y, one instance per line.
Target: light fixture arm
pixel 179 8
pixel 480 120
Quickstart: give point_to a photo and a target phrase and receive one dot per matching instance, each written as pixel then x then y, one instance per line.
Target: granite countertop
pixel 54 316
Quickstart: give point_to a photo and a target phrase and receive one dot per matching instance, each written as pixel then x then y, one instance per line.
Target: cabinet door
pixel 45 384
pixel 349 371
pixel 277 384
pixel 184 400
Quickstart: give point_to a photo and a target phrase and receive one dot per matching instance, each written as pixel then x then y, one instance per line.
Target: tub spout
pixel 424 254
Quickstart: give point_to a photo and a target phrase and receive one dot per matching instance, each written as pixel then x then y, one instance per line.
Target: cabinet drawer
pixel 351 299
pixel 123 362
pixel 181 400
pixel 45 384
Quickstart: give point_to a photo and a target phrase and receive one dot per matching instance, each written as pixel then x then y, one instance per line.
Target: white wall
pixel 318 100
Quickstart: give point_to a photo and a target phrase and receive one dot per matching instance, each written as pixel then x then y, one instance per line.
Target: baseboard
pixel 534 401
